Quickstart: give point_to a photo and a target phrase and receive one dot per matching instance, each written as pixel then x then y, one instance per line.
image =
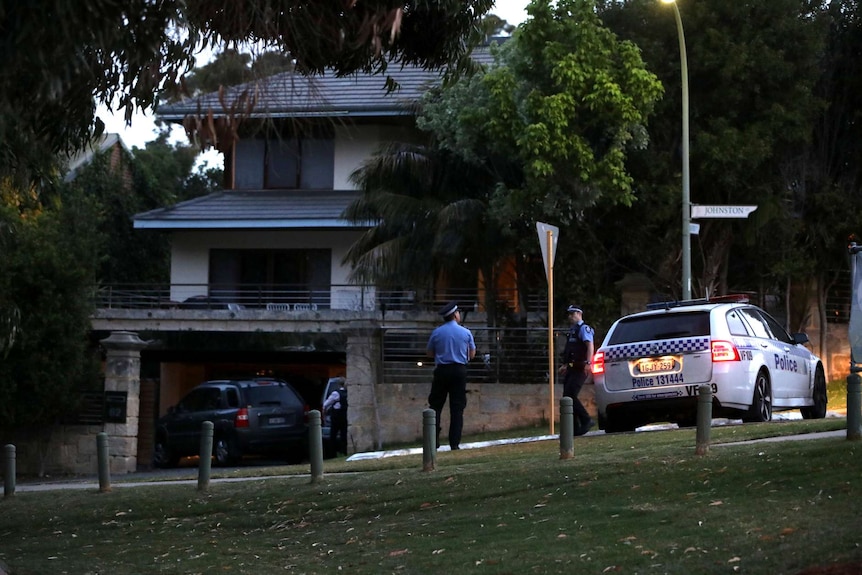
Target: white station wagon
pixel 651 365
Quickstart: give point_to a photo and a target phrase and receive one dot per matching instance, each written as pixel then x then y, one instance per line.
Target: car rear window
pixel 657 327
pixel 275 394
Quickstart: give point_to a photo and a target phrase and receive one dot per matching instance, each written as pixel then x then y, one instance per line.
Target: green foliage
pixel 62 57
pixel 430 218
pixel 56 249
pixel 232 68
pixel 49 266
pixel 753 68
pixel 541 135
pixel 492 25
pixel 555 117
pixel 826 196
pixel 152 177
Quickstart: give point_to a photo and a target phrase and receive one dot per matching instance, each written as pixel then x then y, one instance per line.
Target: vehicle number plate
pixel 658 365
pixel 277 421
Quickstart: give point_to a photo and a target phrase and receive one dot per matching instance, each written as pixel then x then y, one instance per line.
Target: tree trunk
pixel 824 331
pixel 715 258
pixel 43 444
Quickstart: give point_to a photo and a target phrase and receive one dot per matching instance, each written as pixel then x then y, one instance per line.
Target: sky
pixel 142 129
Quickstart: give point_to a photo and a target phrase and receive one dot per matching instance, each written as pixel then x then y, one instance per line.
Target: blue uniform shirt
pixel 576 343
pixel 585 332
pixel 451 343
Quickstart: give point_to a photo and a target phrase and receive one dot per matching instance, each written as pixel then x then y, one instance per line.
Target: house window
pixel 289 163
pixel 261 277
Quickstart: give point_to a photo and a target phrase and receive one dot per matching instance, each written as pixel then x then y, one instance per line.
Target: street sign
pixel 548 236
pixel 741 212
pixel 543 230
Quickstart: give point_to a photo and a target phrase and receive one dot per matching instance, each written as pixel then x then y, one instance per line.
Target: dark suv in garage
pixel 250 416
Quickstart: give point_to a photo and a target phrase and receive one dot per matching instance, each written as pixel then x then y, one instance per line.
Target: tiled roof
pixel 253 210
pixel 291 94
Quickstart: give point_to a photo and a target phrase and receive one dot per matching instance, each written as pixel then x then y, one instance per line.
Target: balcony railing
pixel 302 298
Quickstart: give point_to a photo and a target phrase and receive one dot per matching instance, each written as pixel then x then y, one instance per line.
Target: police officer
pixel 336 406
pixel 577 362
pixel 452 346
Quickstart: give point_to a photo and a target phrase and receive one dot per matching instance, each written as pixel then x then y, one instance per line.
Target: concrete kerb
pixel 801 436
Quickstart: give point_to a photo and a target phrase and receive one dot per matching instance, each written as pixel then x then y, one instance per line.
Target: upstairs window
pixel 286 163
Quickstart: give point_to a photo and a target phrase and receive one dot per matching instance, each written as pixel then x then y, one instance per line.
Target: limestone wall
pixel 490 407
pixel 71 449
pixel 837 353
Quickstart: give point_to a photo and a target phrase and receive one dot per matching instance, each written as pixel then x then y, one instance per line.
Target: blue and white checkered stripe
pixel 654 348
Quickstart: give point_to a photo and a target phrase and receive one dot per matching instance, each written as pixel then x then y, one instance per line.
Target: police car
pixel 651 364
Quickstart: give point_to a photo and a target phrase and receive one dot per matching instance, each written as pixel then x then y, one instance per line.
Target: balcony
pixel 280 299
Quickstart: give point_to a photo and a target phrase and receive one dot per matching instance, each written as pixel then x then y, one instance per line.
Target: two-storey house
pixel 258 281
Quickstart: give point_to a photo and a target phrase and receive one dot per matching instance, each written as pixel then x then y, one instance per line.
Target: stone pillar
pixel 364 374
pixel 123 373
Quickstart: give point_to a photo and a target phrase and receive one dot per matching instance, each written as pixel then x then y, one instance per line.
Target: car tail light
pixel 241 419
pixel 724 351
pixel 598 362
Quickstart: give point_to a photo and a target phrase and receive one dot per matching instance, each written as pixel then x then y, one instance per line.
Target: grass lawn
pixel 627 503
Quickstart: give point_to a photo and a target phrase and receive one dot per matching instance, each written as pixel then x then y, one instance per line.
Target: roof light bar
pixel 729 298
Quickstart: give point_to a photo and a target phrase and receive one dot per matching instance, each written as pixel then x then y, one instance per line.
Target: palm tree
pixel 431 221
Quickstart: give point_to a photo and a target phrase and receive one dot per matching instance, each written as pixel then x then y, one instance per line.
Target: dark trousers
pixel 572 384
pixel 338 430
pixel 450 380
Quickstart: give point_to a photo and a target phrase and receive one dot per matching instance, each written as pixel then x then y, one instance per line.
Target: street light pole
pixel 686 193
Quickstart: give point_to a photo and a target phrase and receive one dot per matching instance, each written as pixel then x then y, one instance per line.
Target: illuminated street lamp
pixel 686 193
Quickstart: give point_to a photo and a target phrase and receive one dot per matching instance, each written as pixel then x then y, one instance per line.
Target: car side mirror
pixel 800 338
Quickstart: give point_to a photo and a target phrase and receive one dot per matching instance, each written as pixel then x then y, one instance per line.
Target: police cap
pixel 449 309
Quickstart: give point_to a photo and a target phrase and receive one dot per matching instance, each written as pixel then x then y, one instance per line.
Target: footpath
pixel 188 475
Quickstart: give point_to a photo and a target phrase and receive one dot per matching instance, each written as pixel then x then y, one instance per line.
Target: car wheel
pixel 818 410
pixel 296 454
pixel 687 421
pixel 761 402
pixel 616 424
pixel 163 455
pixel 225 451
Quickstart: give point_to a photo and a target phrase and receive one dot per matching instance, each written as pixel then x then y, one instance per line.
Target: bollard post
pixel 854 407
pixel 429 440
pixel 104 462
pixel 9 470
pixel 567 428
pixel 704 419
pixel 315 445
pixel 206 454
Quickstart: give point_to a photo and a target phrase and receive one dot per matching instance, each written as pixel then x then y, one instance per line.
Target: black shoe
pixel 454 447
pixel 583 429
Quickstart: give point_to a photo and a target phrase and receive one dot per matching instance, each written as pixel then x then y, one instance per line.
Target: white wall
pixel 353 144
